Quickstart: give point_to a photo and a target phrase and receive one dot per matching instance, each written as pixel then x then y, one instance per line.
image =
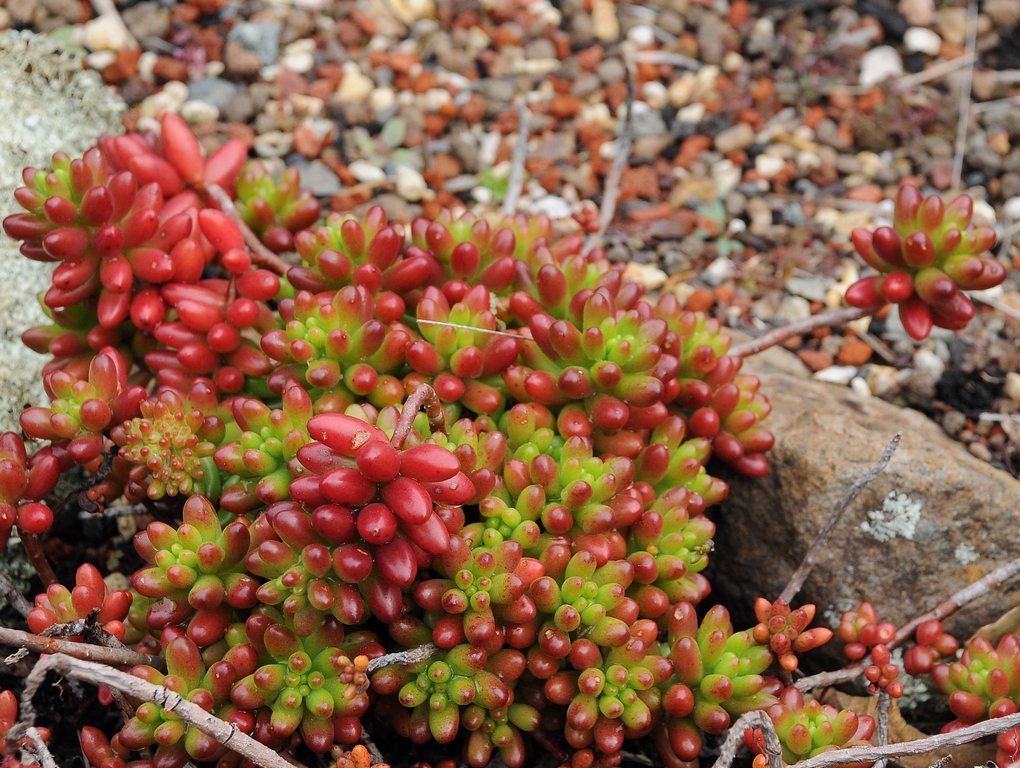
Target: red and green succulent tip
pixel 930 255
pixel 88 599
pixel 785 630
pixel 24 484
pixel 807 729
pixel 861 630
pixel 984 683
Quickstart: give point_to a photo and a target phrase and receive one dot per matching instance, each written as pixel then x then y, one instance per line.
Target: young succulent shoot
pixel 89 599
pixel 860 629
pixel 925 261
pixel 275 209
pixel 785 630
pixel 984 682
pixel 24 483
pixel 932 644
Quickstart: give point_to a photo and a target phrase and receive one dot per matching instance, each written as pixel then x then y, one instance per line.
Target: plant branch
pixel 613 178
pixel 121 657
pixel 882 729
pixel 799 328
pixel 811 558
pixel 226 734
pixel 963 116
pixel 516 183
pixel 423 397
pixel 403 658
pixel 36 556
pixel 854 755
pixel 944 609
pixel 734 738
pixel 15 599
pixel 260 255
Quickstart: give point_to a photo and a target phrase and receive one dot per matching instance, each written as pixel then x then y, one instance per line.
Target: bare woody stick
pixel 260 255
pixel 734 738
pixel 16 600
pixel 612 190
pixel 944 609
pixel 854 755
pixel 121 657
pixel 799 328
pixel 423 397
pixel 516 184
pixel 811 558
pixel 226 734
pixel 404 658
pixel 36 556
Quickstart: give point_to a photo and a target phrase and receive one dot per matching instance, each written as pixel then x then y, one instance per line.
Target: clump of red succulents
pixel 457 432
pixel 930 255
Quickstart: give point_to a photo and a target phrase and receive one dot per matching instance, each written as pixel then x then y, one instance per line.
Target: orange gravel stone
pixel 869 193
pixel 854 352
pixel 699 301
pixel 564 106
pixel 815 360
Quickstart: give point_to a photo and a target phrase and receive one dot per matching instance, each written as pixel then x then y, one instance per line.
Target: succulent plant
pixel 932 643
pixel 275 209
pixel 90 594
pixel 785 630
pixel 24 483
pixel 807 729
pixel 984 682
pixel 925 260
pixel 860 629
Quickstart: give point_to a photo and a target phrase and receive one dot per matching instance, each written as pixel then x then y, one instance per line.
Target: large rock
pixel 49 103
pixel 934 521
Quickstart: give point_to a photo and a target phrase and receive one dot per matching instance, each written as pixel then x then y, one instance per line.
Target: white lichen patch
pixel 898 516
pixel 965 554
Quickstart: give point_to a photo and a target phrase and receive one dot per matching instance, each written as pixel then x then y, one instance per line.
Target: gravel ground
pixel 763 133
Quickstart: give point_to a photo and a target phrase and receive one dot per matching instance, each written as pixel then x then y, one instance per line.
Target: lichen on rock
pixel 50 103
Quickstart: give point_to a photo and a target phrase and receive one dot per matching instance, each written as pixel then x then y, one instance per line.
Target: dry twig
pixel 404 658
pixel 882 729
pixel 121 657
pixel 735 736
pixel 260 255
pixel 811 558
pixel 225 733
pixel 516 183
pixel 37 557
pixel 423 397
pixel 16 600
pixel 918 747
pixel 612 188
pixel 944 609
pixel 964 114
pixel 799 328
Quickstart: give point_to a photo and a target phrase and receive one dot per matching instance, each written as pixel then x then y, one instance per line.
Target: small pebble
pixel 1011 209
pixel 837 374
pixel 552 206
pixel 273 144
pixel 1012 387
pixel 196 112
pixel 882 379
pixel 980 451
pixel 364 171
pixel 410 184
pixel 953 423
pixel 103 33
pixel 880 63
pixel 652 278
pixel 927 361
pixel 860 387
pixel 922 40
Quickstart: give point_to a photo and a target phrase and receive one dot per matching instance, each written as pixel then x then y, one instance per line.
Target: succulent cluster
pixel 984 683
pixel 925 261
pixel 459 432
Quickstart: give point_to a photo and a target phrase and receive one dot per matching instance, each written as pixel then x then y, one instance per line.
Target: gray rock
pixel 147 20
pixel 585 85
pixel 240 109
pixel 611 70
pixel 554 146
pixel 262 37
pixel 900 534
pixel 496 90
pixel 464 146
pixel 710 38
pixel 650 147
pixel 317 176
pixel 740 136
pixel 51 103
pixel 213 90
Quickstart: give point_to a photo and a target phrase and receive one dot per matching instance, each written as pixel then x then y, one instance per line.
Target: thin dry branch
pixel 423 397
pixel 613 178
pixel 918 747
pixel 882 729
pixel 36 747
pixel 260 255
pixel 963 117
pixel 15 599
pixel 799 328
pixel 404 658
pixel 811 558
pixel 226 734
pixel 944 609
pixel 37 557
pixel 735 736
pixel 121 657
pixel 516 183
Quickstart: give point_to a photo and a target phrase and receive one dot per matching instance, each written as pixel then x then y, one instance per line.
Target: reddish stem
pixel 260 255
pixel 423 397
pixel 36 556
pixel 799 328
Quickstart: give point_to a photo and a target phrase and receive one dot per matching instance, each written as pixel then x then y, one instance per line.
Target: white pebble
pixel 984 214
pixel 837 374
pixel 1012 386
pixel 860 387
pixel 927 361
pixel 382 99
pixel 410 184
pixel 731 62
pixel 146 65
pixel 642 35
pixel 299 62
pixel 719 271
pixel 434 99
pixel 197 111
pixel 882 379
pixel 552 206
pixel 273 144
pixel 922 40
pixel 482 195
pixel 655 94
pixel 880 63
pixel 170 99
pixel 354 86
pixel 692 113
pixel 100 60
pixel 652 278
pixel 768 165
pixel 103 33
pixel 364 171
pixel 1011 209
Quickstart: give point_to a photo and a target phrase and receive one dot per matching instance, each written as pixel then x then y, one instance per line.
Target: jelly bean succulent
pixel 466 442
pixel 984 683
pixel 925 261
